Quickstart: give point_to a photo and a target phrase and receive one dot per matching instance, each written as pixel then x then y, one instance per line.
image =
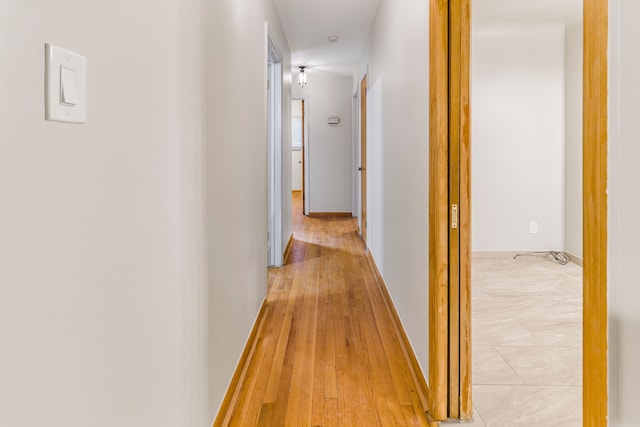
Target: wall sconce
pixel 302 77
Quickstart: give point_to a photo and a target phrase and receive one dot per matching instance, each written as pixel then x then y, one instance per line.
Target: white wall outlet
pixel 533 227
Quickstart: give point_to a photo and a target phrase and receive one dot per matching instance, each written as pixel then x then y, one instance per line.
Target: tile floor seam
pixel 512 368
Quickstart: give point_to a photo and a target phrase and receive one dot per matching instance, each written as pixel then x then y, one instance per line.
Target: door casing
pixel 363 158
pixel 450 376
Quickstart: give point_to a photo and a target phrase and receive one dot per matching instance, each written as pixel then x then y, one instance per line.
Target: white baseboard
pixel 510 254
pixel 493 254
pixel 574 258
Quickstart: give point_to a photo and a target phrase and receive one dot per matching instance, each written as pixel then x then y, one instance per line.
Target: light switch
pixel 69 92
pixel 65 85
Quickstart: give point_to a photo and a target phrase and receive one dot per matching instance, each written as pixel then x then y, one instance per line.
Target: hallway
pixel 327 352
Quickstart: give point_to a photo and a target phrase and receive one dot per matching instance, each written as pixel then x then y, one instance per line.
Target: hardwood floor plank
pixel 328 352
pixel 266 414
pixel 331 413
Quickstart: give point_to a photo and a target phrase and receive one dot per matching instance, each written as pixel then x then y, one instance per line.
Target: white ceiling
pixel 308 24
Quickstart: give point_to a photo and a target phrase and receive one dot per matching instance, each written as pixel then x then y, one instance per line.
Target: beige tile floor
pixel 527 342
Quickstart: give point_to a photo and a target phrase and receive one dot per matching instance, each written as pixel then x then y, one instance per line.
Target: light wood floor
pixel 327 353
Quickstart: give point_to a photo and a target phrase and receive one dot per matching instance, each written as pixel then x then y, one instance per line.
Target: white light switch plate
pixel 65 98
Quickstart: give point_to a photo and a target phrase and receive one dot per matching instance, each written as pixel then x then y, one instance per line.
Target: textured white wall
pixel 517 93
pixel 624 211
pixel 397 59
pixel 573 139
pixel 329 145
pixel 130 272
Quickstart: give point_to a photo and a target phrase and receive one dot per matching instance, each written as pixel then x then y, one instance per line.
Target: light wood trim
pixel 414 367
pixel 455 58
pixel 464 214
pixel 287 249
pixel 234 391
pixel 363 158
pixel 438 208
pixel 330 215
pixel 595 398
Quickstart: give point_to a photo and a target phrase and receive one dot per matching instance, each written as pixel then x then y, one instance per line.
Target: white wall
pixel 573 139
pixel 235 52
pixel 296 138
pixel 517 86
pixel 101 272
pixel 329 146
pixel 296 123
pixel 397 59
pixel 624 211
pixel 130 273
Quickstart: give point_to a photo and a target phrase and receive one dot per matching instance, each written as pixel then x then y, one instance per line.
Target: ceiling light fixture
pixel 302 77
pixel 333 39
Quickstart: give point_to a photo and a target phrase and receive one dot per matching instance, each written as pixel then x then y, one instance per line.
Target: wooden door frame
pixel 456 13
pixel 595 209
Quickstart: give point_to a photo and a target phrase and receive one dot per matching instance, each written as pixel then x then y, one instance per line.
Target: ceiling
pixel 309 23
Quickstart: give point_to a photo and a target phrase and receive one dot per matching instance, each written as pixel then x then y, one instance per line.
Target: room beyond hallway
pixel 326 352
pixel 527 342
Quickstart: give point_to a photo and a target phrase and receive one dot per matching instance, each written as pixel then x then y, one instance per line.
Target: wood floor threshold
pixel 414 367
pixel 233 392
pixel 287 250
pixel 330 215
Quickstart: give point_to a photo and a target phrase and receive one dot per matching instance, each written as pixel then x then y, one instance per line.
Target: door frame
pixel 305 150
pixel 275 152
pixel 454 16
pixel 363 159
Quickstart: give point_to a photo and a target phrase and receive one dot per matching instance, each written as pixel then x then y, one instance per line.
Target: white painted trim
pixel 574 258
pixel 510 254
pixel 494 254
pixel 275 151
pixel 355 156
pixel 358 157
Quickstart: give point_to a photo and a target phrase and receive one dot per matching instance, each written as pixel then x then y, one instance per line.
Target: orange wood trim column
pixel 438 208
pixel 455 77
pixel 466 402
pixel 595 110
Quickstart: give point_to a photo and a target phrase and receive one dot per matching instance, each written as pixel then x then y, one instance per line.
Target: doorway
pixel 299 132
pixel 450 282
pixel 363 159
pixel 274 155
pixel 525 176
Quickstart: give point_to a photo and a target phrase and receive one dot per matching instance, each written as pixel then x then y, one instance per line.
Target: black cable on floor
pixel 560 257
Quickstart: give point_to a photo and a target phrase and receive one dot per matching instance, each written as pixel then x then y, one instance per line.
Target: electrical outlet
pixel 533 227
